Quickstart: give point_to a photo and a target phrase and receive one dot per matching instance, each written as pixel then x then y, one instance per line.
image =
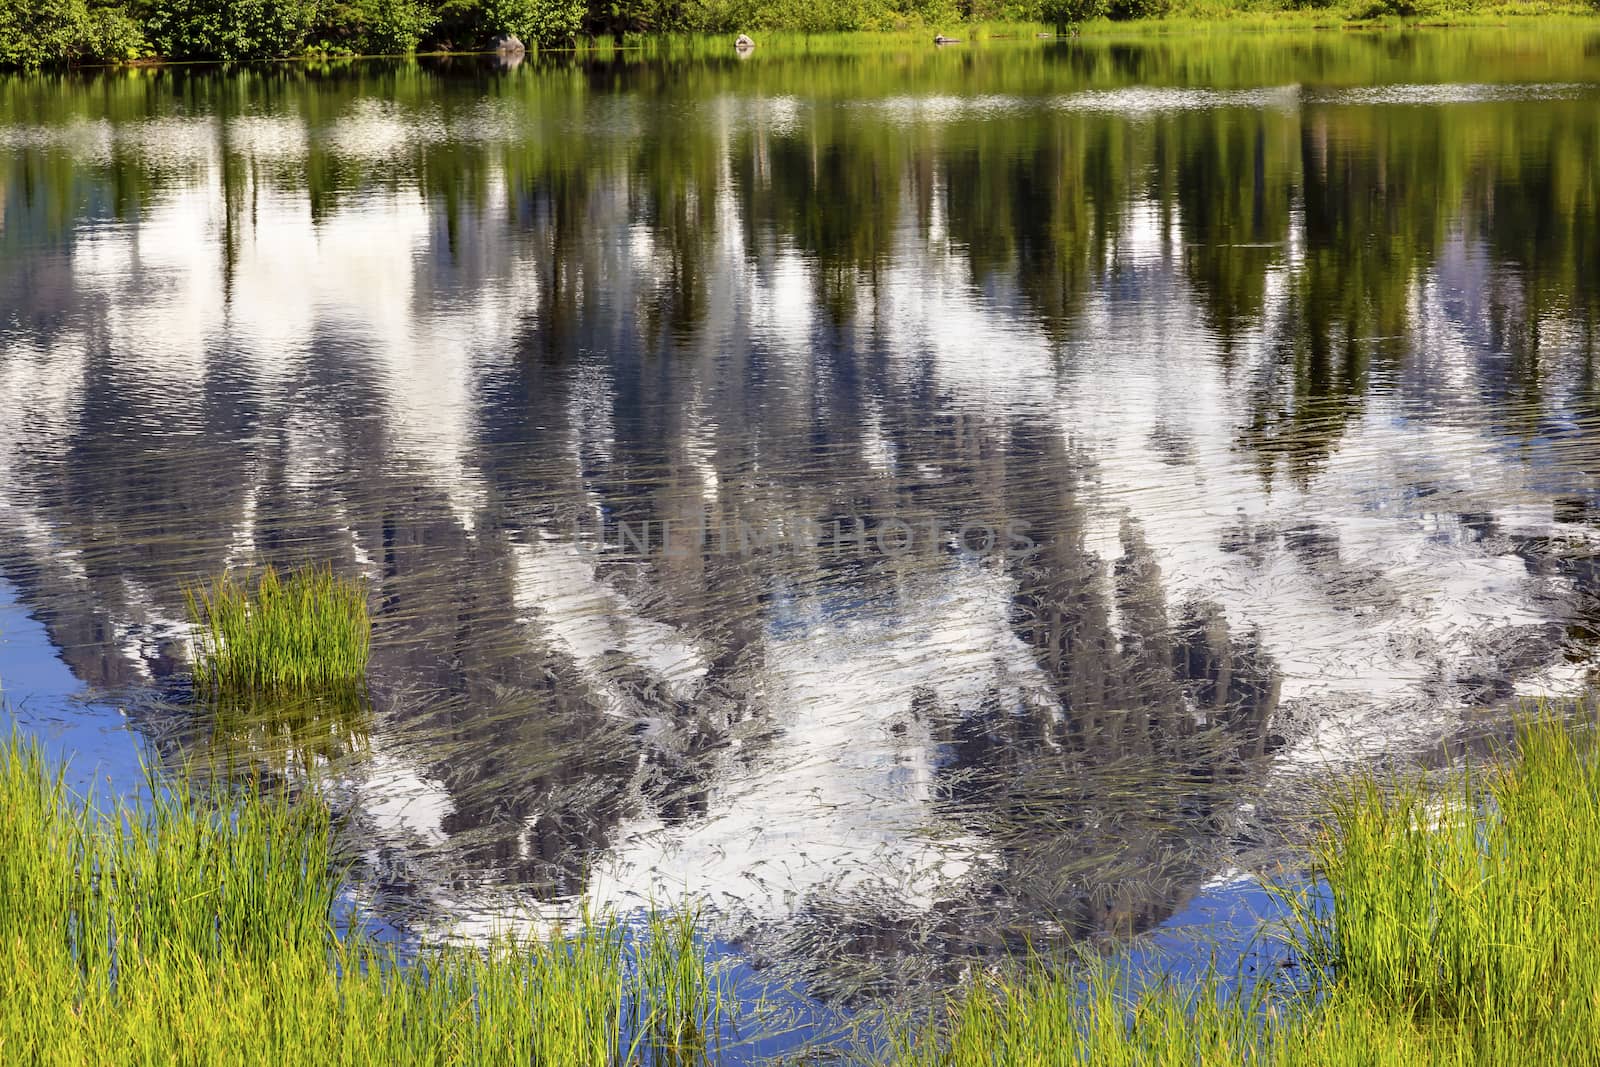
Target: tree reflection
pixel 522 307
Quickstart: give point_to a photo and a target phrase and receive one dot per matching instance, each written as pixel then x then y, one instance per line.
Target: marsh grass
pixel 680 1001
pixel 1475 909
pixel 1464 928
pixel 197 928
pixel 305 632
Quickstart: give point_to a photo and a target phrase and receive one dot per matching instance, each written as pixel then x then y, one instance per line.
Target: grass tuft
pixel 1463 930
pixel 307 632
pixel 198 928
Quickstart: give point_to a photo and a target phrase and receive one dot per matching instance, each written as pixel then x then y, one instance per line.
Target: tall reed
pixel 307 632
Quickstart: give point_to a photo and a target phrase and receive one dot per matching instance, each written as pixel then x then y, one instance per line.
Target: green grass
pixel 1465 929
pixel 198 929
pixel 1475 911
pixel 307 632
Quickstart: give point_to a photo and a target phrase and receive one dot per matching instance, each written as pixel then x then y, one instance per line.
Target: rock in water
pixel 509 44
pixel 743 43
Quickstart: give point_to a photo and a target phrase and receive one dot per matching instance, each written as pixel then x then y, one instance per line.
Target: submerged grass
pixel 306 632
pixel 1465 928
pixel 198 929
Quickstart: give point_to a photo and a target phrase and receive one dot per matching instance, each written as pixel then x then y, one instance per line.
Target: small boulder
pixel 743 43
pixel 509 44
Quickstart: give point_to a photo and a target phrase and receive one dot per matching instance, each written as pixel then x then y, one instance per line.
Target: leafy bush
pixel 36 33
pixel 1006 11
pixel 230 29
pixel 545 22
pixel 819 16
pixel 1427 9
pixel 110 35
pixel 373 27
pixel 1128 10
pixel 464 24
pixel 722 16
pixel 1065 14
pixel 638 16
pixel 929 12
pixel 390 27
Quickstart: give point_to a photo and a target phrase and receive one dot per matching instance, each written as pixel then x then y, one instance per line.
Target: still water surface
pixel 910 499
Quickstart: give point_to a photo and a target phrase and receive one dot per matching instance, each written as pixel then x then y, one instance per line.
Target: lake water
pixel 911 499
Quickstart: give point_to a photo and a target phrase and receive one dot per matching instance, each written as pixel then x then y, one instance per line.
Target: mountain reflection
pixel 1290 389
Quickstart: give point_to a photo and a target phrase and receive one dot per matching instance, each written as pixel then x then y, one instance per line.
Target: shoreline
pixel 1516 16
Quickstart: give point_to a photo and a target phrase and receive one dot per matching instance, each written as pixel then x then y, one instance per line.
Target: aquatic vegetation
pixel 203 923
pixel 683 995
pixel 306 632
pixel 1462 931
pixel 1473 909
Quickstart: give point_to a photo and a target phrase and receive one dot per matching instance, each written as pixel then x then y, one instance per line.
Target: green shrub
pixel 722 16
pixel 391 27
pixel 823 16
pixel 1128 10
pixel 615 17
pixel 38 33
pixel 1007 11
pixel 541 22
pixel 1065 14
pixel 44 33
pixel 927 12
pixel 1378 9
pixel 111 35
pixel 373 27
pixel 230 29
pixel 1428 9
pixel 467 24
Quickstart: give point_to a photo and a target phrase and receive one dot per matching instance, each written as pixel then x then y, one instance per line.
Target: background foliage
pixel 44 33
pixel 372 27
pixel 230 29
pixel 36 33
